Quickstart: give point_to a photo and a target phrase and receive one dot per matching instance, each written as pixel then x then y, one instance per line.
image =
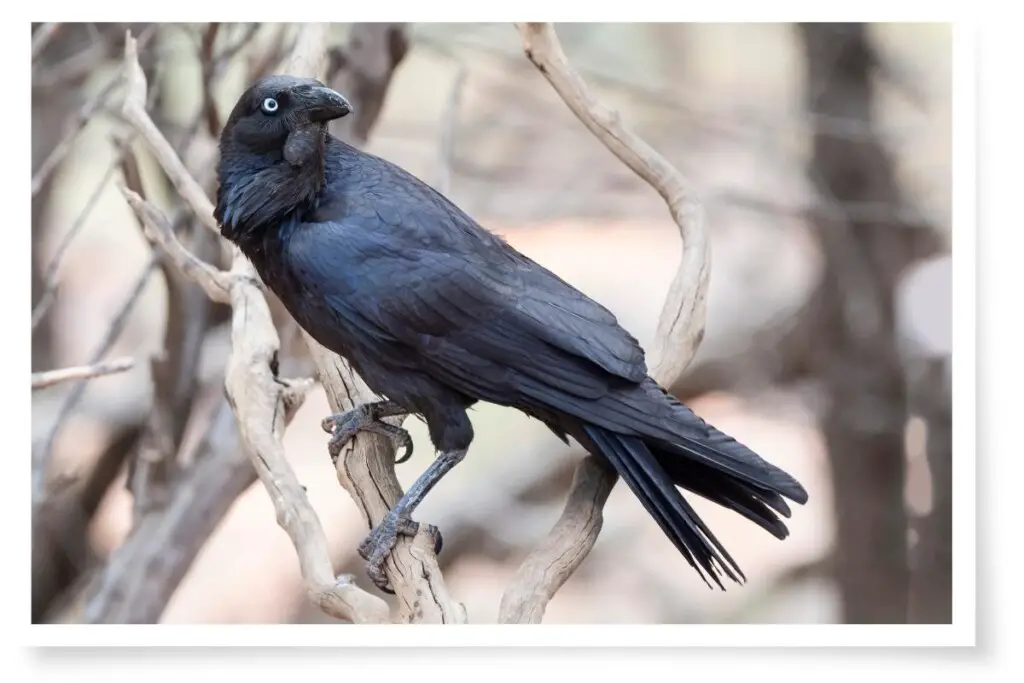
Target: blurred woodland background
pixel 823 156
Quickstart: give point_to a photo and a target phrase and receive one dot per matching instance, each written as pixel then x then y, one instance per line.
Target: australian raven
pixel 436 313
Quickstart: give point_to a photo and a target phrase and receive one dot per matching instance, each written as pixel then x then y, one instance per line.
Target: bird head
pixel 271 150
pixel 276 106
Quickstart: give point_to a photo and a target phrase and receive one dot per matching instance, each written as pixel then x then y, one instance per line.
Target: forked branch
pixel 258 397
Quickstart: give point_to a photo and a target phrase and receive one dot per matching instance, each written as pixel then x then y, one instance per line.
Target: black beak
pixel 324 104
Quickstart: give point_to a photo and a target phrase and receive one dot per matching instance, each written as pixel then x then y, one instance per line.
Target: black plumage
pixel 436 313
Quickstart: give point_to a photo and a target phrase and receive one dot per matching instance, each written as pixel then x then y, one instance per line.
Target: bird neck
pixel 259 193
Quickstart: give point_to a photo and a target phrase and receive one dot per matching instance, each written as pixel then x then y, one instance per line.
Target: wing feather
pixel 454 310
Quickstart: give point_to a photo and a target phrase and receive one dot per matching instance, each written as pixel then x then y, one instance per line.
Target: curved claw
pixel 377 547
pixel 343 428
pixel 402 440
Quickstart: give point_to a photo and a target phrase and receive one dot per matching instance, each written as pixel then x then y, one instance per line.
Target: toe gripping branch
pixel 381 541
pixel 343 427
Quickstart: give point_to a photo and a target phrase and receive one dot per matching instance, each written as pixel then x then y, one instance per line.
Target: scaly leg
pixel 381 541
pixel 367 418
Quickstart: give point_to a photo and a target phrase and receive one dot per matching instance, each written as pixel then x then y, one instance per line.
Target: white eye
pixel 270 105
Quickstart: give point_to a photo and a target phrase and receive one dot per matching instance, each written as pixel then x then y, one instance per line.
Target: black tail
pixel 714 466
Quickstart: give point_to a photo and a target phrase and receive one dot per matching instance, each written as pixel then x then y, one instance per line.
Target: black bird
pixel 435 313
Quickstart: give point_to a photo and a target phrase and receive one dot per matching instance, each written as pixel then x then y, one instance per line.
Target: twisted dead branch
pixel 680 326
pixel 258 397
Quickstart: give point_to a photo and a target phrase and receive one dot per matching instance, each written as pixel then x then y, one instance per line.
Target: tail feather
pixel 638 467
pixel 733 477
pixel 702 442
pixel 759 505
pixel 657 444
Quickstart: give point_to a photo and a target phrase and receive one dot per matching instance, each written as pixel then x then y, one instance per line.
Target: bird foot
pixel 365 418
pixel 378 545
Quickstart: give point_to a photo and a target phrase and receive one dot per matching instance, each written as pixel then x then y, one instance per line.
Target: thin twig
pixel 134 112
pixel 41 456
pixel 110 367
pixel 173 372
pixel 82 117
pixel 50 281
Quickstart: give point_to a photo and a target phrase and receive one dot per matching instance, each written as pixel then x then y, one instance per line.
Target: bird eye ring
pixel 270 105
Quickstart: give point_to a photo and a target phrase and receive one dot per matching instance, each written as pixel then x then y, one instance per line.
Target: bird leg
pixel 381 541
pixel 367 418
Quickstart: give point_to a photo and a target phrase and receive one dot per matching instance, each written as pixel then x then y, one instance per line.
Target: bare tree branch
pixel 173 370
pixel 60 549
pixel 110 367
pixel 41 455
pixel 82 117
pixel 50 281
pixel 180 490
pixel 64 518
pixel 552 562
pixel 47 297
pixel 215 283
pixel 213 66
pixel 259 399
pixel 142 575
pixel 680 326
pixel 60 545
pixel 134 112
